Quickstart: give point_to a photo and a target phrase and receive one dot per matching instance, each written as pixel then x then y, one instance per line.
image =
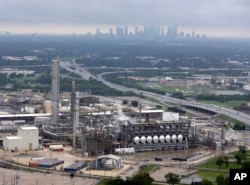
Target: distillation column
pixel 55 91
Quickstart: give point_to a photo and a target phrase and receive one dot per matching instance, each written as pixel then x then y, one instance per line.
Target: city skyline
pixel 147 31
pixel 220 18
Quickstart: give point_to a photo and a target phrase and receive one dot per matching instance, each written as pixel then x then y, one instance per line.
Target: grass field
pixel 232 120
pixel 23 79
pixel 211 175
pixel 147 168
pixel 212 165
pixel 231 103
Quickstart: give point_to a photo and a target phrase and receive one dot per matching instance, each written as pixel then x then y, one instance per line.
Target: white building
pixel 170 116
pixel 26 139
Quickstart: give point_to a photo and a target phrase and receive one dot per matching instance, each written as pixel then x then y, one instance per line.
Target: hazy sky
pixel 213 17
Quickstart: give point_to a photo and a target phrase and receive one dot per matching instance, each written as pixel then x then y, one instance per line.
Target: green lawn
pixel 104 182
pixel 212 165
pixel 147 168
pixel 211 175
pixel 231 103
pixel 232 120
pixel 22 79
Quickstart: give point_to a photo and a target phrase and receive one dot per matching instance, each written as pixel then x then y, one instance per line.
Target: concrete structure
pixel 26 139
pixel 150 114
pixel 55 91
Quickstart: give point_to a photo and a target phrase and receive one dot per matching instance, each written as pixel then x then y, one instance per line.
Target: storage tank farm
pixel 123 133
pixel 157 135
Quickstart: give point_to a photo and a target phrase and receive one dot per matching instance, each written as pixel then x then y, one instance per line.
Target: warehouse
pixel 26 139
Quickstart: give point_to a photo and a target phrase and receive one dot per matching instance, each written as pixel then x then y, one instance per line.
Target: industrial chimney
pixel 55 91
pixel 73 112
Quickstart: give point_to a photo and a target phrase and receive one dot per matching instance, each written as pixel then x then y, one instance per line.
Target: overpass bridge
pixel 210 109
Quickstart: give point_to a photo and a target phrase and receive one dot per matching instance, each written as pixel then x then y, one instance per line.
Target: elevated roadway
pixel 243 117
pixel 211 109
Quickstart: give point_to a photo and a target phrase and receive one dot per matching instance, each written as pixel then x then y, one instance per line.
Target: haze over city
pixel 219 18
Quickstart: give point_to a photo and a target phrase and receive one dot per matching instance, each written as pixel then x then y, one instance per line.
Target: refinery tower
pixel 55 91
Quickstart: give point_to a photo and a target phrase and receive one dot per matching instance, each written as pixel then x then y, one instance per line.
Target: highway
pixel 243 117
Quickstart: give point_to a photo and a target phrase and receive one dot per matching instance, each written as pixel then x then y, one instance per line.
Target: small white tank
pixel 168 138
pixel 155 139
pixel 174 138
pixel 143 139
pixel 162 138
pixel 180 138
pixel 149 139
pixel 137 140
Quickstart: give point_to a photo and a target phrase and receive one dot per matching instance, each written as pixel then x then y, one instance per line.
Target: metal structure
pixel 158 136
pixel 55 91
pixel 73 112
pixel 140 137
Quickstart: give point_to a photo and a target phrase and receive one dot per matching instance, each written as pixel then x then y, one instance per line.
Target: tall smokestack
pixel 77 109
pixel 55 91
pixel 73 111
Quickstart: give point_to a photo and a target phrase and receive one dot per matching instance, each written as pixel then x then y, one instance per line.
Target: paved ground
pixel 161 171
pixel 7 177
pixel 131 165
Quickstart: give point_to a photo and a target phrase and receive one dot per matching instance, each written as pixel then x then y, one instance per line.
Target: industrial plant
pixel 97 126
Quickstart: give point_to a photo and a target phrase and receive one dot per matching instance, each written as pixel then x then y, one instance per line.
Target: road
pixel 243 117
pixel 77 70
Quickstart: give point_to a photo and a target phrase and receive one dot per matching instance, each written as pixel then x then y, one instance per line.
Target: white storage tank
pixel 174 138
pixel 143 139
pixel 137 140
pixel 168 138
pixel 155 139
pixel 162 138
pixel 149 139
pixel 180 138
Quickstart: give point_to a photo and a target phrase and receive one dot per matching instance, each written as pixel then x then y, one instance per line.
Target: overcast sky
pixel 213 17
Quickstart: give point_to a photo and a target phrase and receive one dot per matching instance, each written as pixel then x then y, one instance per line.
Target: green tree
pixel 219 162
pixel 117 181
pixel 206 182
pixel 172 178
pixel 246 165
pixel 140 179
pixel 4 79
pixel 134 103
pixel 242 149
pixel 178 94
pixel 125 102
pixel 226 160
pixel 239 157
pixel 222 180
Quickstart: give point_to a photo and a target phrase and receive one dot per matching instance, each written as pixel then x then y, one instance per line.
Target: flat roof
pixel 110 156
pixel 14 137
pixel 100 113
pixel 24 115
pixel 29 128
pixel 150 111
